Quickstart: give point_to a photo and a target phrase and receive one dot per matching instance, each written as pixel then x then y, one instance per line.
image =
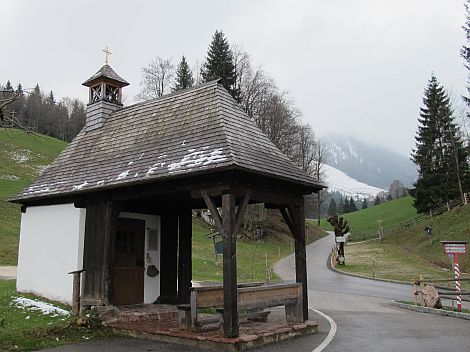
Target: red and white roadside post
pixel 453 249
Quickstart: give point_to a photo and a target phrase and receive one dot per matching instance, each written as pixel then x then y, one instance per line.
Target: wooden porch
pixel 146 322
pixel 174 205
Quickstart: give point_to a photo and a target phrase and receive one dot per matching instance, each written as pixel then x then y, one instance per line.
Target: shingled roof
pixel 105 72
pixel 193 131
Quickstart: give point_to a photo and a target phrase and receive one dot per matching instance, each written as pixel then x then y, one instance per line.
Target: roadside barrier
pixel 446 292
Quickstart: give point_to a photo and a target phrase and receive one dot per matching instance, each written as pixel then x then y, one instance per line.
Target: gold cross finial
pixel 107 52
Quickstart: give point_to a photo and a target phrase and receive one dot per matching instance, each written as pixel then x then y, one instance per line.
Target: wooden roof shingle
pixel 193 131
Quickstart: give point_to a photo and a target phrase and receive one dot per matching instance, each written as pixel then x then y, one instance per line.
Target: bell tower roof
pixel 106 73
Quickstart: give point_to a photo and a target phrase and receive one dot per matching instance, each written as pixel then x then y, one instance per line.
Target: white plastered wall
pixel 51 246
pixel 152 257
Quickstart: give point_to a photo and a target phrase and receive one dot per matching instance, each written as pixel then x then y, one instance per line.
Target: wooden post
pixel 231 328
pixel 98 254
pixel 76 292
pixel 298 217
pixel 184 255
pixel 295 220
pixel 110 222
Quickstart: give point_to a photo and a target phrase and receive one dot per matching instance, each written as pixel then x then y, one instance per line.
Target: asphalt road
pixel 360 308
pixel 365 319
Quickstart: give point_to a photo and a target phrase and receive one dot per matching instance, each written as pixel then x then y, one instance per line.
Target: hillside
pixel 370 164
pixel 22 157
pixel 363 223
pixel 453 225
pixel 340 182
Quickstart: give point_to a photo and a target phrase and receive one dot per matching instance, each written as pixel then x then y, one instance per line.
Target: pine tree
pixel 219 64
pixel 377 200
pixel 465 51
pixel 332 207
pixel 440 155
pixel 184 76
pixel 8 87
pixel 341 206
pixel 352 205
pixel 365 203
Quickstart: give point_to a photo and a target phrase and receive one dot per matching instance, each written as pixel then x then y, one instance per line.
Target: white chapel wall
pixel 51 245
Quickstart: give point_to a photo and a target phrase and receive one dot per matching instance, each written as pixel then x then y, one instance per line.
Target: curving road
pixel 365 319
pixel 360 308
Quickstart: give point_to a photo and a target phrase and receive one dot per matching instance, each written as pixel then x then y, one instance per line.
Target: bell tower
pixel 105 94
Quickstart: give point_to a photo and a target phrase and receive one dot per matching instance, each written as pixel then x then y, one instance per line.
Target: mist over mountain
pixel 371 164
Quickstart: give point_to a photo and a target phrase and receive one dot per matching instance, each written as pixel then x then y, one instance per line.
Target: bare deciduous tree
pixel 157 78
pixel 320 160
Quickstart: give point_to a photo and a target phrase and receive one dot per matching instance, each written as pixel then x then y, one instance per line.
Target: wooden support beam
pixel 288 220
pixel 231 328
pixel 241 212
pixel 98 254
pixel 294 217
pixel 184 255
pixel 297 215
pixel 112 210
pixel 215 214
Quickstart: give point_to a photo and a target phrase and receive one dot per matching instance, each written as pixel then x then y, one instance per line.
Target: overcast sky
pixel 354 67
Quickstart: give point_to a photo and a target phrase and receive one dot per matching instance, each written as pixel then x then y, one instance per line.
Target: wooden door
pixel 129 265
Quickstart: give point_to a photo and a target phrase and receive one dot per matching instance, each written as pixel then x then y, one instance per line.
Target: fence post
pixel 76 292
pixel 415 294
pixel 465 198
pixel 448 207
pixel 430 212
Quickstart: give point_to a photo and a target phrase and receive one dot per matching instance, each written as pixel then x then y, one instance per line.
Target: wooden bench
pixel 252 298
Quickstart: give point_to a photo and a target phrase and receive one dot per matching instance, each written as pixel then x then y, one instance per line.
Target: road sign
pixel 455 248
pixel 340 239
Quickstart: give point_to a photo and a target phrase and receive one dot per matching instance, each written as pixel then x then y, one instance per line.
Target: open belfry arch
pixel 152 163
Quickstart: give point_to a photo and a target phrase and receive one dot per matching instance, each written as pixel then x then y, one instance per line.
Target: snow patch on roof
pixel 198 158
pixel 36 305
pixel 79 187
pixel 122 175
pixel 153 168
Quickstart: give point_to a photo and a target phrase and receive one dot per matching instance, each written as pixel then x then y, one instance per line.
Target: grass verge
pixel 28 330
pixel 386 261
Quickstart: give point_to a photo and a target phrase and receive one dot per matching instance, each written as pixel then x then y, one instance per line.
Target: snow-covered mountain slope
pixel 340 182
pixel 374 165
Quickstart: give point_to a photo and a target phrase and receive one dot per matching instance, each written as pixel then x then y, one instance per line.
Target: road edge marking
pixel 331 334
